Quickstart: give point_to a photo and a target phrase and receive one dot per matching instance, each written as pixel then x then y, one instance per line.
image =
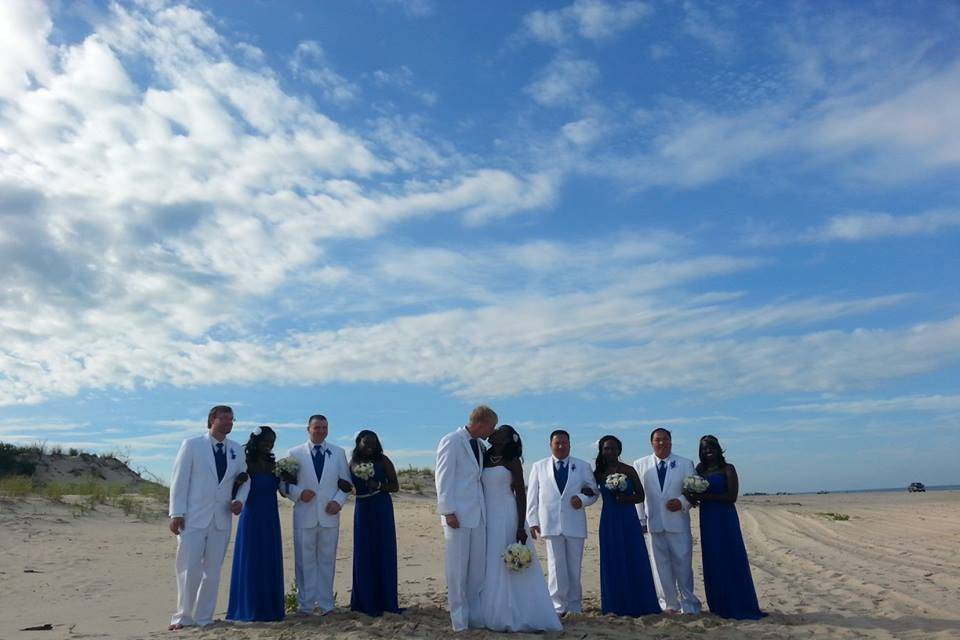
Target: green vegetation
pixel 142 498
pixel 15 486
pixel 14 461
pixel 291 600
pixel 415 471
pixel 413 478
pixel 836 517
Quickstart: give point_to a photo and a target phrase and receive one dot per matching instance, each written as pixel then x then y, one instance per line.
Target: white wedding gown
pixel 510 600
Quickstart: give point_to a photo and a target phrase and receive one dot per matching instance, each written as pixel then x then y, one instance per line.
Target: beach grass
pixel 836 517
pixel 16 486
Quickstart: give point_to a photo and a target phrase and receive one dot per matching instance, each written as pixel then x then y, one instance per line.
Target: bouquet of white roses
pixel 616 482
pixel 695 484
pixel 517 556
pixel 363 470
pixel 286 469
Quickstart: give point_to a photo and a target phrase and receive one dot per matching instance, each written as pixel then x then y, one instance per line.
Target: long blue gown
pixel 626 580
pixel 726 570
pixel 374 549
pixel 256 586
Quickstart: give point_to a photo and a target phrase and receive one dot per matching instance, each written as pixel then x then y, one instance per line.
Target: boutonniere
pixel 573 467
pixel 673 464
pixel 233 454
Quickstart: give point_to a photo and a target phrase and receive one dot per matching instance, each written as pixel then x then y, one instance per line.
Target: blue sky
pixel 729 218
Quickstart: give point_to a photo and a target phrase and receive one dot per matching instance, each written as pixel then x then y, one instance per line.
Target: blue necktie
pixel 318 459
pixel 560 473
pixel 476 449
pixel 220 456
pixel 662 472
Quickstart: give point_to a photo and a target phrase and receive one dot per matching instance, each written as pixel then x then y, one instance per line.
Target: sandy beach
pixel 890 571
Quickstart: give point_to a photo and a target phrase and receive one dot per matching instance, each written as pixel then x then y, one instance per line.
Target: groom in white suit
pixel 201 504
pixel 323 480
pixel 560 487
pixel 665 515
pixel 460 503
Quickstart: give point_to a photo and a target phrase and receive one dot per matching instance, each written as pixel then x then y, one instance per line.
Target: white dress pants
pixel 673 556
pixel 464 557
pixel 200 554
pixel 315 556
pixel 564 557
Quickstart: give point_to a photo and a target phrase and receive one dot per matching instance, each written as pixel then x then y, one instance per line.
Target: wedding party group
pixel 214 477
pixel 490 515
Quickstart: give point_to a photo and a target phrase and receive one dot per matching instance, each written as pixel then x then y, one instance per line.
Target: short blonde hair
pixel 483 413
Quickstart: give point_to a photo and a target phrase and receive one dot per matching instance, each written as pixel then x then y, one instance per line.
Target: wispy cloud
pixel 402 78
pixel 204 181
pixel 913 403
pixel 595 20
pixel 861 115
pixel 708 27
pixel 565 82
pixel 860 227
pixel 869 226
pixel 310 63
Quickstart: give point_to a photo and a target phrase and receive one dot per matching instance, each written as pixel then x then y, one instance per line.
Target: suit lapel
pixel 671 464
pixel 466 443
pixel 207 446
pixel 654 479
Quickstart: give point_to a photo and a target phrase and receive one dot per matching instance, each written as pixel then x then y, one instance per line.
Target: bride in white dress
pixel 510 600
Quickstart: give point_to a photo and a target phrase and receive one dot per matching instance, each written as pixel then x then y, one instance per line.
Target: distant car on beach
pixel 915 487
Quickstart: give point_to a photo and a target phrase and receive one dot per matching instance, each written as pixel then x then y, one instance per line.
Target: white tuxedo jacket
pixel 653 511
pixel 195 494
pixel 307 515
pixel 550 510
pixel 457 476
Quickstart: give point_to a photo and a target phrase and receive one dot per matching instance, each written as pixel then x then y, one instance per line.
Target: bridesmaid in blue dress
pixel 626 580
pixel 726 570
pixel 256 586
pixel 374 530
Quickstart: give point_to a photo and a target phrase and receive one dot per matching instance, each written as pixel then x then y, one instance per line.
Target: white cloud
pixel 867 103
pixel 142 216
pixel 595 20
pixel 24 28
pixel 564 82
pixel 600 20
pixel 702 25
pixel 861 227
pixel 403 78
pixel 310 63
pixel 868 226
pixel 546 26
pixel 583 132
pixel 413 8
pixel 914 403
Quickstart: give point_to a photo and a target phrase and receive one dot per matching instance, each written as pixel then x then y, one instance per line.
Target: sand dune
pixel 890 571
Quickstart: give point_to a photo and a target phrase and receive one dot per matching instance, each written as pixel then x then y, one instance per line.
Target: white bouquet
pixel 363 470
pixel 695 484
pixel 286 469
pixel 616 482
pixel 517 556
